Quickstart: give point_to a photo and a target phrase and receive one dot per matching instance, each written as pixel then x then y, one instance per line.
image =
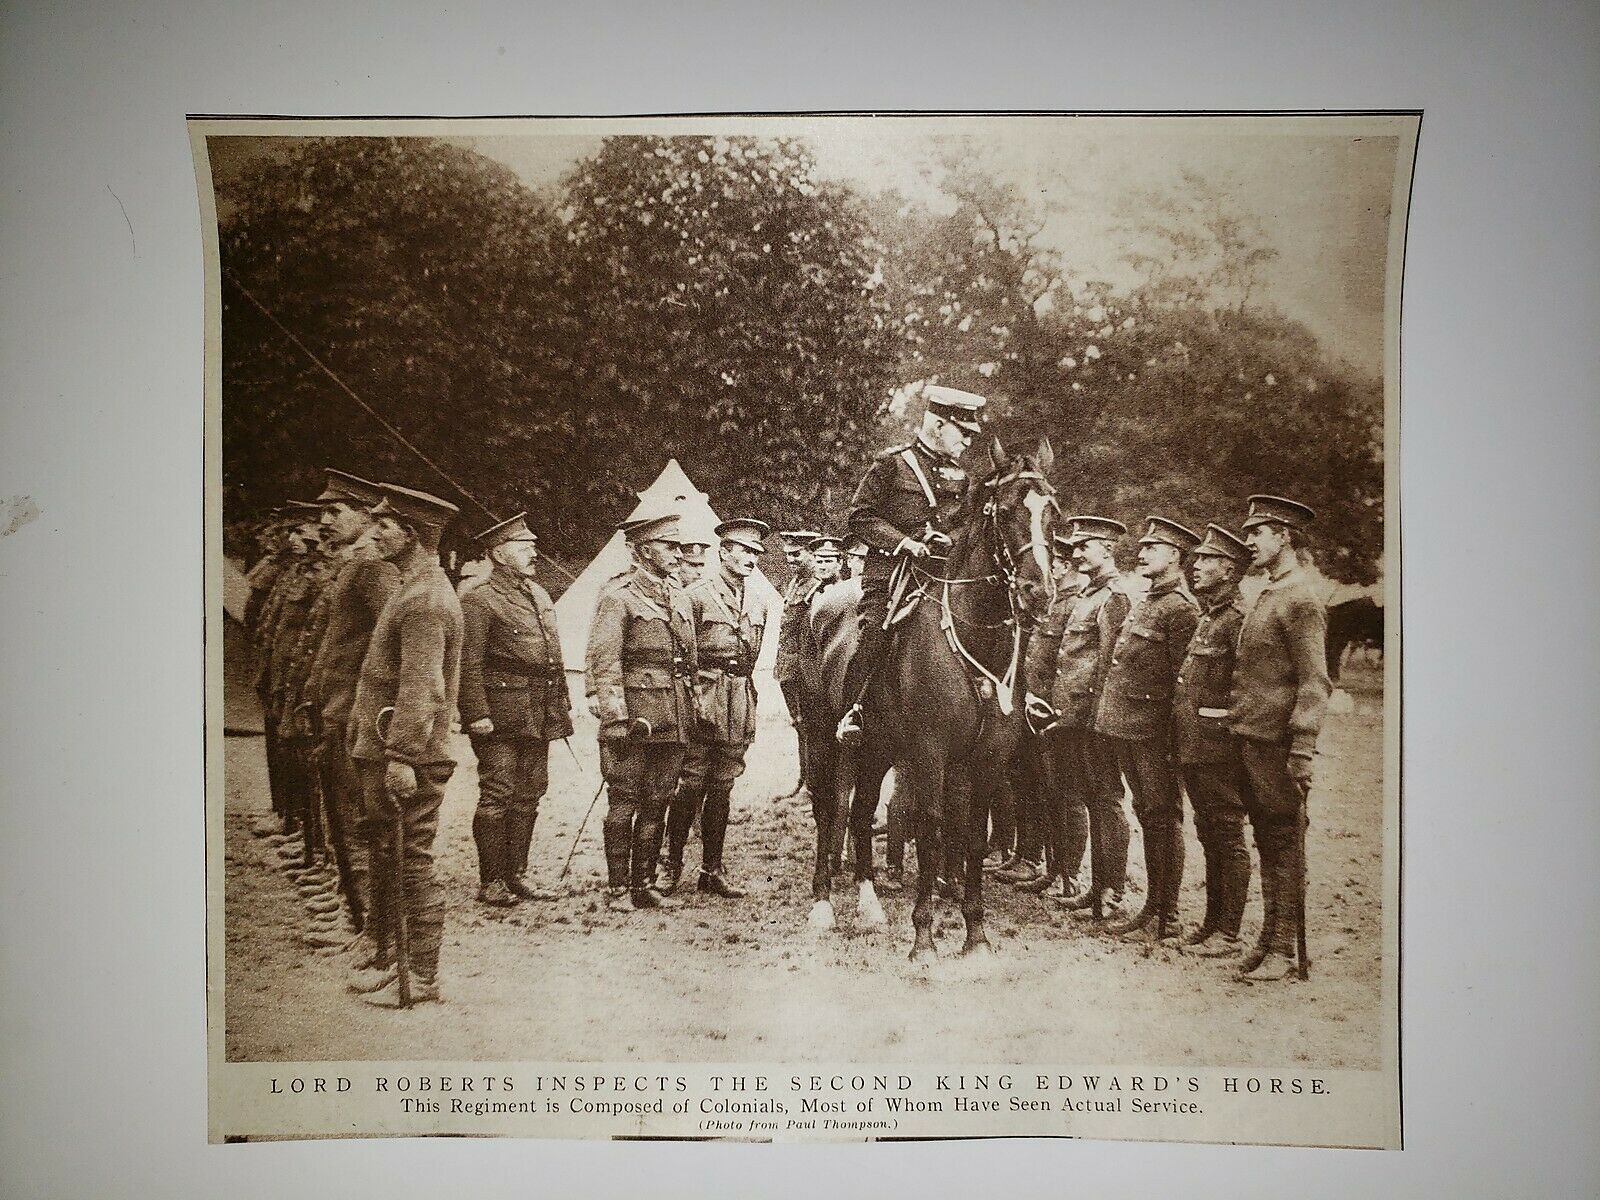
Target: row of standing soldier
pixel 367 653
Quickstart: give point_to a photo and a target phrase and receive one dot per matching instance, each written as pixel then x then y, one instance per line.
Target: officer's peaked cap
pixel 514 530
pixel 1084 529
pixel 745 531
pixel 1221 543
pixel 958 407
pixel 652 527
pixel 1162 531
pixel 345 488
pixel 409 504
pixel 1277 510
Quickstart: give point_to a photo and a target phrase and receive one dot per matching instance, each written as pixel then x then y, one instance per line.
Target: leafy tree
pixel 733 320
pixel 420 274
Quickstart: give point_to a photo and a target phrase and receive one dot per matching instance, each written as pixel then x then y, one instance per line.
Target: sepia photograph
pixel 796 627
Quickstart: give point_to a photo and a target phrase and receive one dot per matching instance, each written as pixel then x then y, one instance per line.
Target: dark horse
pixel 944 709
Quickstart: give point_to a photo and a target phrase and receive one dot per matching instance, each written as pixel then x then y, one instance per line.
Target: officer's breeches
pixel 419 819
pixel 1065 809
pixel 1087 768
pixel 343 792
pixel 640 777
pixel 709 769
pixel 1275 805
pixel 513 775
pixel 1216 790
pixel 1158 803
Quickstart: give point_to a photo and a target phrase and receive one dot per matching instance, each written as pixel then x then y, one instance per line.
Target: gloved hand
pixel 481 726
pixel 936 542
pixel 913 547
pixel 1038 708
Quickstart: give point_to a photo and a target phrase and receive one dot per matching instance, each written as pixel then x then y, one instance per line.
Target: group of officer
pixel 368 653
pixel 1165 681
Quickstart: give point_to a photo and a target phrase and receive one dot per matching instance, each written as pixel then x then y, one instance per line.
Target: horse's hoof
pixel 978 950
pixel 869 910
pixel 924 955
pixel 821 915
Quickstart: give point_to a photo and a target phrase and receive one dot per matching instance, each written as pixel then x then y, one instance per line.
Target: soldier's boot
pixel 422 989
pixel 1273 958
pixel 680 821
pixel 618 900
pixel 489 836
pixel 617 831
pixel 1208 849
pixel 1232 872
pixel 1269 846
pixel 713 836
pixel 870 647
pixel 1172 854
pixel 1154 845
pixel 519 841
pixel 1039 884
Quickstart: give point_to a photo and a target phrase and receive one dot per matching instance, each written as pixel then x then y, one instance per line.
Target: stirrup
pixel 849 731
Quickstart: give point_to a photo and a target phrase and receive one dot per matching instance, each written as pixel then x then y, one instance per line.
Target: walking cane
pixel 402 928
pixel 1302 957
pixel 578 837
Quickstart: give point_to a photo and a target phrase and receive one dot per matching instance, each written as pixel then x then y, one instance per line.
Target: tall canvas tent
pixel 672 488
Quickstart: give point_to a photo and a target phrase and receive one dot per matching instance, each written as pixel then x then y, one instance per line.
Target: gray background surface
pixel 101 971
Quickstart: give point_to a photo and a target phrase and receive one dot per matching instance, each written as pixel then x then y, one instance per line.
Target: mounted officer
pixel 730 622
pixel 641 665
pixel 514 703
pixel 902 511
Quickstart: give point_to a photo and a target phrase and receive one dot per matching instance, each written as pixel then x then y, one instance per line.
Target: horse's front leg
pixel 869 783
pixel 925 785
pixel 828 808
pixel 977 841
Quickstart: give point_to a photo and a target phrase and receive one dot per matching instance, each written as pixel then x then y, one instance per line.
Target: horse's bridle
pixel 1000 551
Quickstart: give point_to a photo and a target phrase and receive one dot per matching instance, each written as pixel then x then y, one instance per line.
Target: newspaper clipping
pixel 828 627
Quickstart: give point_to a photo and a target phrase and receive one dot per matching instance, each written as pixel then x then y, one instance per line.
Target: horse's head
pixel 1019 506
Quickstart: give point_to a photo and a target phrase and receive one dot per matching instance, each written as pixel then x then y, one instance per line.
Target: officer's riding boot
pixel 1231 886
pixel 618 832
pixel 713 834
pixel 489 833
pixel 646 846
pixel 680 821
pixel 1172 852
pixel 1208 850
pixel 1273 957
pixel 863 665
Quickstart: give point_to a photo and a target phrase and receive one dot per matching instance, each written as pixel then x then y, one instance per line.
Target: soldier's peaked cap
pixel 1083 529
pixel 1277 510
pixel 958 407
pixel 827 545
pixel 651 527
pixel 1222 543
pixel 799 537
pixel 745 531
pixel 514 530
pixel 411 505
pixel 343 487
pixel 1161 530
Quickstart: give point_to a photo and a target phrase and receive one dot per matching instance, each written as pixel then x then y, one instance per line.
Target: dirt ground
pixel 721 981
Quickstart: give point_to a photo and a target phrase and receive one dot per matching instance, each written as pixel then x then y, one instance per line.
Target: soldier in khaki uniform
pixel 1208 753
pixel 640 667
pixel 1084 763
pixel 399 737
pixel 730 623
pixel 1279 700
pixel 1136 714
pixel 514 703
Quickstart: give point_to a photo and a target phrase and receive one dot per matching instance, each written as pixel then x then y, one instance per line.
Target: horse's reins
pixel 1002 556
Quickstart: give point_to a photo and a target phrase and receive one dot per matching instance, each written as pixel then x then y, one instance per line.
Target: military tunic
pixel 730 623
pixel 412 665
pixel 1135 715
pixel 1209 760
pixel 640 666
pixel 1082 761
pixel 1277 705
pixel 511 674
pixel 907 489
pixel 358 594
